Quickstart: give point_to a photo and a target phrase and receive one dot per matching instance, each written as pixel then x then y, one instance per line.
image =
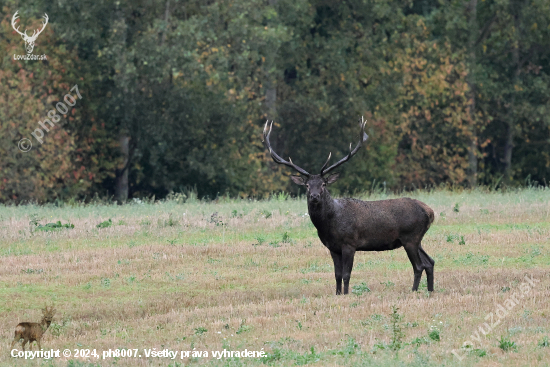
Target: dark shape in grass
pixel 478 352
pixel 243 327
pixel 434 335
pixel 419 341
pixel 506 344
pixel 287 239
pixel 53 226
pixel 200 330
pixel 308 358
pixel 360 289
pixel 272 357
pixel 397 334
pixel 105 224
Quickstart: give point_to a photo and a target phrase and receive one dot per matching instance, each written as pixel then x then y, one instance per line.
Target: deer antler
pixel 326 163
pixel 13 19
pixel 48 311
pixel 274 155
pixel 36 33
pixel 363 138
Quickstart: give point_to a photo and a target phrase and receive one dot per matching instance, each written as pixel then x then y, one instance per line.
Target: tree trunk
pixel 121 193
pixel 122 84
pixel 472 149
pixel 510 120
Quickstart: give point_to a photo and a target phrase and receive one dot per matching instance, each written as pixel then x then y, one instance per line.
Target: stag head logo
pixel 29 40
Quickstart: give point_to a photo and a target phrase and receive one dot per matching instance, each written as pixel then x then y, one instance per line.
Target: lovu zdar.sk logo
pixel 29 40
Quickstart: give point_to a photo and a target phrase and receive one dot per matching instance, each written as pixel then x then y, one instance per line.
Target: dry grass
pixel 255 276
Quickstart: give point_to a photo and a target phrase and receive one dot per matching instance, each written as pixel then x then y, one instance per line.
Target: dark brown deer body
pixel 33 331
pixel 348 225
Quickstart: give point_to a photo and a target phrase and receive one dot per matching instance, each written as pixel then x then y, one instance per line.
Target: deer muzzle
pixel 315 198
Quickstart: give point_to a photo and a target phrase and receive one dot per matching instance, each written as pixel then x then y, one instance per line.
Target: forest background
pixel 175 95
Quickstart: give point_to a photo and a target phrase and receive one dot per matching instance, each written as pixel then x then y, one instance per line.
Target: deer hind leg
pixel 416 262
pixel 337 259
pixel 428 264
pixel 23 344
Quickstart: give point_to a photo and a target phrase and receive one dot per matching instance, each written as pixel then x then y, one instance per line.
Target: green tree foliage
pixel 453 92
pixel 434 125
pixel 69 161
pixel 511 47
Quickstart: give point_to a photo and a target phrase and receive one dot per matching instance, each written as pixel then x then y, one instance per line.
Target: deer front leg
pixel 337 259
pixel 348 253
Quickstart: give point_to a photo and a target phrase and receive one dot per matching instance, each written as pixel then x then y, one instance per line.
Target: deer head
pixel 48 315
pixel 29 40
pixel 315 184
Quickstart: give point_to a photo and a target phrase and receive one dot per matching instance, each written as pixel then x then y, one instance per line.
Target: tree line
pixel 175 95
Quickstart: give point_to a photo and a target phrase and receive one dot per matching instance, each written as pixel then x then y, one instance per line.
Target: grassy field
pixel 237 274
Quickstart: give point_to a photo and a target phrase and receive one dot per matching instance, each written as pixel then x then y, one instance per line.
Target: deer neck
pixel 322 211
pixel 45 325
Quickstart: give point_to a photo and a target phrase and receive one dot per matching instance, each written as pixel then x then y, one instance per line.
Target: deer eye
pixel 307 185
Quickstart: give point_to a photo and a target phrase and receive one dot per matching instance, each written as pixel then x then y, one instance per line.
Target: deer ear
pixel 298 180
pixel 332 178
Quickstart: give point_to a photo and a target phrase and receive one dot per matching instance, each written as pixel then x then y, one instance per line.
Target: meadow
pixel 190 275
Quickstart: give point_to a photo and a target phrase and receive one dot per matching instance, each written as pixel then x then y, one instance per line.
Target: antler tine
pixel 36 33
pixel 326 163
pixel 363 138
pixel 276 158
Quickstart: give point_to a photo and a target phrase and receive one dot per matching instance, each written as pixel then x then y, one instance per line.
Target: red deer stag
pixel 31 331
pixel 348 225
